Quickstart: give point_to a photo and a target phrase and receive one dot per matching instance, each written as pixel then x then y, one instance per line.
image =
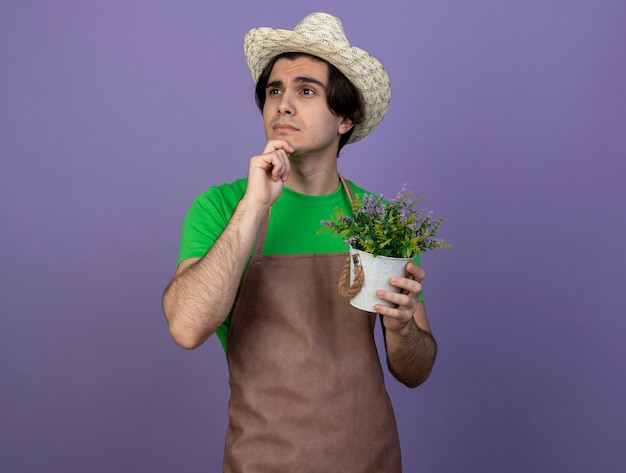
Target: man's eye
pixel 308 91
pixel 273 91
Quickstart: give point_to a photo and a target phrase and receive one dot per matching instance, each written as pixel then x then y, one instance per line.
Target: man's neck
pixel 313 178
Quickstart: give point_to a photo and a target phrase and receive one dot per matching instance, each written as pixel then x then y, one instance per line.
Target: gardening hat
pixel 322 35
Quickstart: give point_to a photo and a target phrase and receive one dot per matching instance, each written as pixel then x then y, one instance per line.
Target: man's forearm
pixel 200 297
pixel 411 354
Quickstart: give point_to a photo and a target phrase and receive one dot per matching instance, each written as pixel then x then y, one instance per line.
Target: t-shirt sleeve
pixel 204 222
pixel 416 260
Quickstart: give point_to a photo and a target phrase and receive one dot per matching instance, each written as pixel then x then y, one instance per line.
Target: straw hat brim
pixel 361 68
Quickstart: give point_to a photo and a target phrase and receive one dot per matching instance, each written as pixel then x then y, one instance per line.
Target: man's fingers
pixel 275 145
pixel 280 165
pixel 278 152
pixel 416 271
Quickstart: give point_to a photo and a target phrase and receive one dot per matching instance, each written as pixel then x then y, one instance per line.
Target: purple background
pixel 508 116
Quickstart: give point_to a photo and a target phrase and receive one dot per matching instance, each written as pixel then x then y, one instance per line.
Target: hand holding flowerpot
pixel 383 237
pixel 368 274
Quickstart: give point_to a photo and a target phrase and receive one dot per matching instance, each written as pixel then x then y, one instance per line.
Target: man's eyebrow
pixel 299 79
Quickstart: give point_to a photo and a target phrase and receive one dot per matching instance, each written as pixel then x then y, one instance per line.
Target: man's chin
pixel 273 136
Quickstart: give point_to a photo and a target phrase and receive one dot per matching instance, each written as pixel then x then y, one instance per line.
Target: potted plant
pixel 383 237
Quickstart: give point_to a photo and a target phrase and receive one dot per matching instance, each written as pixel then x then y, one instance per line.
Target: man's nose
pixel 285 105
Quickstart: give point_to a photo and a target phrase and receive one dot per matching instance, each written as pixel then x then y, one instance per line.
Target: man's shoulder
pixel 357 189
pixel 225 192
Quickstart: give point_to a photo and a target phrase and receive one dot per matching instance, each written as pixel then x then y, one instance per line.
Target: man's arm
pixel 199 297
pixel 411 348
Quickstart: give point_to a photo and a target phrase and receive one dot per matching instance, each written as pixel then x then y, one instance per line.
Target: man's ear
pixel 345 125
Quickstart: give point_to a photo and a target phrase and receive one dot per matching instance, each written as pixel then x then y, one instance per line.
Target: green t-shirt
pixel 293 227
pixel 294 222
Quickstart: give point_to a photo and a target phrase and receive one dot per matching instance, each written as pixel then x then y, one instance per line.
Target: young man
pixel 307 388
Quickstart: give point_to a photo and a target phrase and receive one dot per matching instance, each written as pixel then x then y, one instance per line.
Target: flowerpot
pixel 376 271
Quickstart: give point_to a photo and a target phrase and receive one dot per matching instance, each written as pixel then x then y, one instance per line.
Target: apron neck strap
pixel 347 188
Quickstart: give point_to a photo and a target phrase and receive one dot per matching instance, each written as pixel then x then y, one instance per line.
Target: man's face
pixel 296 109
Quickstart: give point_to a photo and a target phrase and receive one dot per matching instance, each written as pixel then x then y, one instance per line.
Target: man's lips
pixel 283 127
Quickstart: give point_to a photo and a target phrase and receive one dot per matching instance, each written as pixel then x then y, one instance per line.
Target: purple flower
pixel 405 214
pixel 389 228
pixel 403 194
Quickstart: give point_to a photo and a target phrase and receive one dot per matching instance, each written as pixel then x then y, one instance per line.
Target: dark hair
pixel 342 96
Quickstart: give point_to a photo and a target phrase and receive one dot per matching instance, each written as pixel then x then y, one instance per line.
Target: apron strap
pixel 260 239
pixel 347 188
